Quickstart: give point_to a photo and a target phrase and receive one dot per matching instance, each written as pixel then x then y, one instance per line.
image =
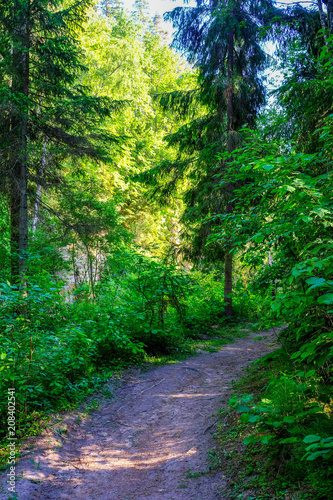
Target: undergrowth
pixel 55 350
pixel 274 439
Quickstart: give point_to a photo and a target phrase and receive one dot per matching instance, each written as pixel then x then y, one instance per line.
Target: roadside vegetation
pixel 274 438
pixel 143 313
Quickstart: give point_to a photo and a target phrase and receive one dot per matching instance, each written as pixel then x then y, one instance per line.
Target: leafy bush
pixel 285 234
pixel 54 350
pixel 50 350
pixel 286 427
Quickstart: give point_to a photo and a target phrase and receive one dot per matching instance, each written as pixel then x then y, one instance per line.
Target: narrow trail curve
pixel 142 444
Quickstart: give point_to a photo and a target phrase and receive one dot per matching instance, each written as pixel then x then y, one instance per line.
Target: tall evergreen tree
pixel 329 7
pixel 40 102
pixel 223 39
pixel 305 96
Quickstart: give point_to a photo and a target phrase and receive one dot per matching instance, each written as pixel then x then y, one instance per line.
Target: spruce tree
pixel 41 102
pixel 223 39
pixel 329 7
pixel 305 95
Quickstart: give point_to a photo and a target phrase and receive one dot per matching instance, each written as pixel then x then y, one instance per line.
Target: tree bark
pixel 19 129
pixel 230 110
pixel 322 21
pixel 329 4
pixel 228 284
pixel 14 226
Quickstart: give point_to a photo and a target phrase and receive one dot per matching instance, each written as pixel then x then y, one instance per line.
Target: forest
pixel 159 190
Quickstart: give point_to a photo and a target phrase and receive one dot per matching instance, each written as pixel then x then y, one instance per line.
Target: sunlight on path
pixel 143 444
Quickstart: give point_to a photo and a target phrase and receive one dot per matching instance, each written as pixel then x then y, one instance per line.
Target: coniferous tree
pixel 329 6
pixel 306 92
pixel 223 39
pixel 40 101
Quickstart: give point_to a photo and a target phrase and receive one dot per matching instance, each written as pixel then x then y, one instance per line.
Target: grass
pixel 221 336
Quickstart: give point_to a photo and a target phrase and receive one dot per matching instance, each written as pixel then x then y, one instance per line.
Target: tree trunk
pixel 329 4
pixel 322 21
pixel 23 228
pixel 230 110
pixel 19 129
pixel 228 285
pixel 229 208
pixel 14 226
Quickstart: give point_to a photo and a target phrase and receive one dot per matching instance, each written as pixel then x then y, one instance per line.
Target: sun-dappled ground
pixel 151 441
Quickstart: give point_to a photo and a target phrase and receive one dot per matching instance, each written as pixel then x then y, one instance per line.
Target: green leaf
pixel 326 445
pixel 320 360
pixel 254 419
pixel 320 211
pixel 326 299
pixel 288 440
pixel 268 166
pixel 250 440
pixel 266 439
pixel 247 398
pixel 306 219
pixel 317 454
pixel 315 282
pixel 311 439
pixel 289 420
pixel 275 305
pixel 242 408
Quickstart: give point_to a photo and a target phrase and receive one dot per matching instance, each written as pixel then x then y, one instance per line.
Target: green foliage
pixel 56 345
pixel 202 35
pixel 149 299
pixel 284 419
pixel 51 351
pixel 281 228
pixel 205 303
pixel 319 447
pixel 89 304
pixel 280 416
pixel 287 230
pixel 128 60
pixel 105 283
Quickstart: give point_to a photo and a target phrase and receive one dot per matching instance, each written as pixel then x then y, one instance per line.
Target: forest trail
pixel 144 442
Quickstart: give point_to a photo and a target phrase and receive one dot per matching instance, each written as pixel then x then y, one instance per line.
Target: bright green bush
pixel 285 235
pixel 51 350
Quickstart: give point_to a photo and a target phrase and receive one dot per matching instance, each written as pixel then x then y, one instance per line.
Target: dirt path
pixel 142 444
